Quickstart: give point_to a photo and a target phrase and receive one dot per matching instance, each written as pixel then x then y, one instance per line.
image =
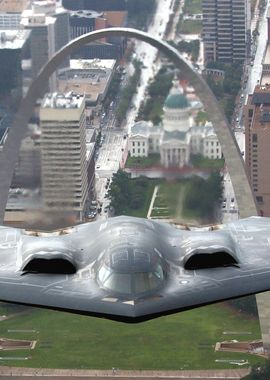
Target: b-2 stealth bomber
pixel 132 269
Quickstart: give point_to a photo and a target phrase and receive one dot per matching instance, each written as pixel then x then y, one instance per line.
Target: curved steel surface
pixel 234 161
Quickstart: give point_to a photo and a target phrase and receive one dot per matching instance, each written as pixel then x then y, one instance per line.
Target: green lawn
pixel 198 161
pixel 183 340
pixel 143 162
pixel 190 27
pixel 170 195
pixel 142 211
pixel 193 6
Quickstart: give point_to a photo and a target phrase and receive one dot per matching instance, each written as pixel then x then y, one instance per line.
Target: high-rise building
pixel 257 130
pixel 85 21
pixel 49 25
pixel 226 30
pixel 95 5
pixel 10 13
pixel 63 153
pixel 42 42
pixel 12 45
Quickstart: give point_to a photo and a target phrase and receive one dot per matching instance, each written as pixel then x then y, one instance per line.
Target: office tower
pixel 10 13
pixel 83 21
pixel 86 16
pixel 226 30
pixel 12 46
pixel 63 153
pixel 62 29
pixel 49 27
pixel 95 5
pixel 257 129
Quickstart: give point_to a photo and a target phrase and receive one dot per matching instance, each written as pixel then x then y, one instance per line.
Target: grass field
pixel 191 27
pixel 201 162
pixel 182 340
pixel 170 199
pixel 143 162
pixel 193 6
pixel 142 211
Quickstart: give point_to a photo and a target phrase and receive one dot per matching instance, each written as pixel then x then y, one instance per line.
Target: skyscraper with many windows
pixel 226 30
pixel 63 153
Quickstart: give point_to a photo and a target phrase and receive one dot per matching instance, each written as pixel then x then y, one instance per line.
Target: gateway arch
pixel 232 154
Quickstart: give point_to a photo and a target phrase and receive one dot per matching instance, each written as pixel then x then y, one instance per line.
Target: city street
pixel 147 54
pixel 114 146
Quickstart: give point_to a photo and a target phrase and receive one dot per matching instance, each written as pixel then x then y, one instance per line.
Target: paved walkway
pixel 152 202
pixel 61 374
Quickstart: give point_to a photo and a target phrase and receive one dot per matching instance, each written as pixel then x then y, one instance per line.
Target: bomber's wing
pixel 200 268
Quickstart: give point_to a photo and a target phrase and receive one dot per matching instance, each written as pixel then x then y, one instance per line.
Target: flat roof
pixel 31 19
pixel 60 101
pixel 13 39
pixel 261 98
pixel 86 14
pixel 96 63
pixel 265 79
pixel 13 6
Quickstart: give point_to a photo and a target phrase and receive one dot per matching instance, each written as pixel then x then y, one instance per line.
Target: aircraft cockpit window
pixel 144 282
pixel 131 283
pixel 119 282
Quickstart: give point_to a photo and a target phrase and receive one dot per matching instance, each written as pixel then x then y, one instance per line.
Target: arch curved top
pixel 234 161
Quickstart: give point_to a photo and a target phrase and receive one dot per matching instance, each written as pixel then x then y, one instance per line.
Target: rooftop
pixel 83 64
pixel 13 6
pixel 31 19
pixel 176 98
pixel 174 135
pixel 61 101
pixel 86 14
pixel 140 128
pixel 13 39
pixel 261 97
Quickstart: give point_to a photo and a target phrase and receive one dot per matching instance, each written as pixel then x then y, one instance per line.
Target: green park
pixel 181 341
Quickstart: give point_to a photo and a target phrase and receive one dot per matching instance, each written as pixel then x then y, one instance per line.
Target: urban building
pixel 64 174
pixel 42 42
pixel 265 76
pixel 96 5
pixel 257 156
pixel 12 47
pixel 49 25
pixel 28 168
pixel 10 13
pixel 62 27
pixel 85 21
pixel 226 30
pixel 82 22
pixel 89 77
pixel 177 137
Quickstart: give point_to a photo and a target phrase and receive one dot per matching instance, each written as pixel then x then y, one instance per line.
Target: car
pixel 94 203
pixel 237 119
pixel 97 166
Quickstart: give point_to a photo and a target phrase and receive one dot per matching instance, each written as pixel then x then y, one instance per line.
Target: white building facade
pixel 63 153
pixel 177 138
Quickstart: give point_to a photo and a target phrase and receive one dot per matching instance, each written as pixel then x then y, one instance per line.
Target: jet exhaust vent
pixel 209 260
pixel 52 266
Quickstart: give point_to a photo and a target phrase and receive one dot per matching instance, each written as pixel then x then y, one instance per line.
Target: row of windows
pixel 212 143
pixel 138 151
pixel 211 151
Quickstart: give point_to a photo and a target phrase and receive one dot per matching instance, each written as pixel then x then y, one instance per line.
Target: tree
pixel 261 372
pixel 119 192
pixel 205 195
